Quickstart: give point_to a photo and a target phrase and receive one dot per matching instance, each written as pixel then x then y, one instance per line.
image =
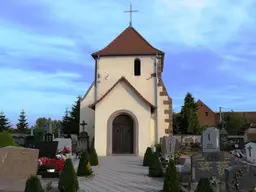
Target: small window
pixel 206 114
pixel 137 67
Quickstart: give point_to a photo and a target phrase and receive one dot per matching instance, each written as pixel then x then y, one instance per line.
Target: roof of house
pixel 123 79
pixel 129 42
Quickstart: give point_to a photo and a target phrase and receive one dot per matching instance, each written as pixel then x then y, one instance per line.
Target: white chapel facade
pixel 127 107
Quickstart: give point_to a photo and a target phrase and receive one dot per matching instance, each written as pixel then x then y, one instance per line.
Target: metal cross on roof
pixel 83 125
pixel 131 11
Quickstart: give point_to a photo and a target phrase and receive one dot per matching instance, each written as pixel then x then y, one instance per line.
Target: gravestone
pixel 74 141
pixel 223 139
pixel 64 142
pixel 47 148
pixel 212 164
pixel 83 139
pixel 210 140
pixel 16 165
pixel 48 137
pixel 235 143
pixel 169 145
pixel 250 149
pixel 30 141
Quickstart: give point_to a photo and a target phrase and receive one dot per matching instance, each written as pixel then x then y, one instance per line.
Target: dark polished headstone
pixel 47 148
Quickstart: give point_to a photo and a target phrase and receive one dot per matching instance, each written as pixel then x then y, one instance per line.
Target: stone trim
pixel 167 101
pixel 167 111
pixel 167 131
pixel 154 74
pixel 167 120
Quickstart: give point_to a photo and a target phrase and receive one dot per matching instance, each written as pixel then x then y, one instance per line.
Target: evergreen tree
pixel 68 179
pixel 176 119
pixel 22 125
pixel 204 185
pixel 171 179
pixel 84 167
pixel 33 184
pixel 65 123
pixel 93 157
pixel 4 122
pixel 189 122
pixel 147 157
pixel 155 168
pixel 75 117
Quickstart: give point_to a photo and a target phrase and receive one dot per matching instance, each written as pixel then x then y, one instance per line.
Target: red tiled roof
pixel 129 42
pixel 122 79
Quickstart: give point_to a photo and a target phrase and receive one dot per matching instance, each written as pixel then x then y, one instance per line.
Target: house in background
pixel 206 116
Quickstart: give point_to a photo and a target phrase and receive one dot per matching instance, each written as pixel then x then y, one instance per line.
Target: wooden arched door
pixel 122 135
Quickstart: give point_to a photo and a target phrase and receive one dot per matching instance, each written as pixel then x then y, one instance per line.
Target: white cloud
pixel 39 93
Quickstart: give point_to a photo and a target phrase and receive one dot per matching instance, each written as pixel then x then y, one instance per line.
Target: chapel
pixel 127 107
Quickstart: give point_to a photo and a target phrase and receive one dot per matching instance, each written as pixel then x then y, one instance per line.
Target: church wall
pixel 122 98
pixel 89 96
pixel 88 116
pixel 152 131
pixel 111 69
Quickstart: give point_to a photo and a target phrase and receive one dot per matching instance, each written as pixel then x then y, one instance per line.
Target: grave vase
pixel 50 170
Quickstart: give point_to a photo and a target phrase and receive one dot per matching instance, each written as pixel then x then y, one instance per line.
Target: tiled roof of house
pixel 129 42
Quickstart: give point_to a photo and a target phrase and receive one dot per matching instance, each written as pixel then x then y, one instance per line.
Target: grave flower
pixel 66 150
pixel 47 163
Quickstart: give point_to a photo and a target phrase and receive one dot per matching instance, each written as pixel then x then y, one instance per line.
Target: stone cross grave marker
pixel 210 140
pixel 169 145
pixel 16 165
pixel 83 124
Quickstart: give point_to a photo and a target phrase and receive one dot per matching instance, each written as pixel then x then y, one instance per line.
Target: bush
pixel 147 157
pixel 171 179
pixel 158 148
pixel 7 140
pixel 93 157
pixel 84 167
pixel 68 179
pixel 155 168
pixel 204 185
pixel 33 184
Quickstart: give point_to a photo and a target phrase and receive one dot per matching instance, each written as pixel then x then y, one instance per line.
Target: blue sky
pixel 45 49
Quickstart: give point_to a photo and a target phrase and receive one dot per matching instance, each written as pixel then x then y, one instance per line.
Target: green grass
pixel 7 140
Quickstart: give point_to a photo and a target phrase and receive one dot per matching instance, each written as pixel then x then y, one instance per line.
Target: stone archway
pixel 122 135
pixel 125 122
